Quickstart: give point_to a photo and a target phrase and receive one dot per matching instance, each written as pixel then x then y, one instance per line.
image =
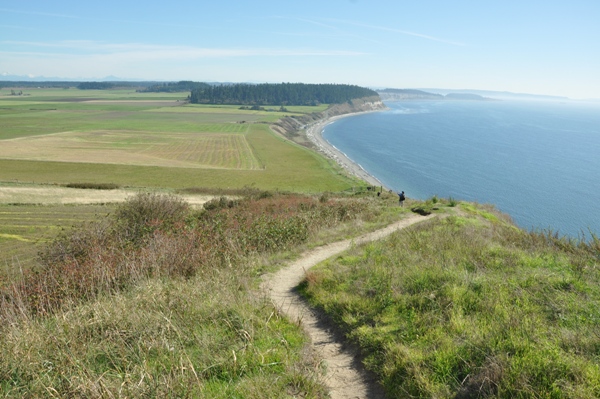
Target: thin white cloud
pixel 338 32
pixel 403 32
pixel 75 59
pixel 321 24
pixel 139 51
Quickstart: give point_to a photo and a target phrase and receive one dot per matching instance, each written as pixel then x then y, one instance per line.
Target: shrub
pixel 76 244
pixel 94 186
pixel 219 203
pixel 145 213
pixel 154 235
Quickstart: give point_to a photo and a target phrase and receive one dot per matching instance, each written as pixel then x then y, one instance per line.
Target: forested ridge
pixel 174 87
pixel 279 94
pixel 96 85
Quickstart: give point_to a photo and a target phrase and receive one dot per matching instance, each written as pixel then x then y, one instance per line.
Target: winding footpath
pixel 346 378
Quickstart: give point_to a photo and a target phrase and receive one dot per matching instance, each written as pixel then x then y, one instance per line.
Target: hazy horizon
pixel 534 47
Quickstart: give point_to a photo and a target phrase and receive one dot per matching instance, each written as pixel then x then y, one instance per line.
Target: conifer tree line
pixel 279 94
pixel 175 87
pixel 96 85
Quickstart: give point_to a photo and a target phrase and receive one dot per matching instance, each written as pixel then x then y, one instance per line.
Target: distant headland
pixel 414 94
pixel 390 94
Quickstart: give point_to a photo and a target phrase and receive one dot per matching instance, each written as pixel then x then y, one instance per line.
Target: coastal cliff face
pixel 292 126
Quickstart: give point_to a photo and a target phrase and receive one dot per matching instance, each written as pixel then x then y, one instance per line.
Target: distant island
pixel 407 94
pixel 497 95
pixel 466 96
pixel 414 94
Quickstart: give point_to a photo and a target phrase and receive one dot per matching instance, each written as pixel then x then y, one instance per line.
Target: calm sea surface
pixel 537 161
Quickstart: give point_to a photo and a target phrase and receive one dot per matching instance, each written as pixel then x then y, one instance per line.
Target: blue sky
pixel 540 47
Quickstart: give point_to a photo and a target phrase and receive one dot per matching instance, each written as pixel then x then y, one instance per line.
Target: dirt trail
pixel 345 377
pixel 64 195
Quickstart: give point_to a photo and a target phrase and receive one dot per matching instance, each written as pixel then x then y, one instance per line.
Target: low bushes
pixel 94 186
pixel 153 235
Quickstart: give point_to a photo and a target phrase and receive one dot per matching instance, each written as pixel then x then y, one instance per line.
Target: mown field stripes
pixel 24 227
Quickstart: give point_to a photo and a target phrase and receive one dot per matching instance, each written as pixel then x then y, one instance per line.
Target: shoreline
pixel 314 132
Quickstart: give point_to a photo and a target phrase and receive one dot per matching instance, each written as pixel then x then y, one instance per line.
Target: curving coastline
pixel 314 132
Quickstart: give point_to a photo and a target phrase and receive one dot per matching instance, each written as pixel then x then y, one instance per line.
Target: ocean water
pixel 539 162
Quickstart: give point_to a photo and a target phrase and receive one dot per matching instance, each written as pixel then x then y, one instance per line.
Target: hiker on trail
pixel 401 198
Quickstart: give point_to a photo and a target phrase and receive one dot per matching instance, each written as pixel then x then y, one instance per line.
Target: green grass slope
pixel 469 306
pixel 281 164
pixel 286 166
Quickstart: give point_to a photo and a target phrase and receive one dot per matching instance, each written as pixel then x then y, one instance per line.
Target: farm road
pixel 345 376
pixel 63 195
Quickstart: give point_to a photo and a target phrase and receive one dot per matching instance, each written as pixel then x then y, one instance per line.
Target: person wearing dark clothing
pixel 401 197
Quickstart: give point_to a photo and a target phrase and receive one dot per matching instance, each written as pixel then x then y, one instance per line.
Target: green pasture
pixel 268 109
pixel 286 167
pixel 102 130
pixel 58 136
pixel 40 122
pixel 281 164
pixel 74 94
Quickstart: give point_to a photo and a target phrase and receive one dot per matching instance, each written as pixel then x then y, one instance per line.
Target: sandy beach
pixel 314 134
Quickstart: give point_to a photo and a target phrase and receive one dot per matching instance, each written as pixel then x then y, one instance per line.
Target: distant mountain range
pixel 27 78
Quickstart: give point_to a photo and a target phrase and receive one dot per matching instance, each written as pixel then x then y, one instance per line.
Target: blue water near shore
pixel 537 161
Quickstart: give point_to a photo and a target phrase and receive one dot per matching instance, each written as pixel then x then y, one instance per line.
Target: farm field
pixel 140 142
pixel 25 228
pixel 58 136
pixel 228 149
pixel 32 215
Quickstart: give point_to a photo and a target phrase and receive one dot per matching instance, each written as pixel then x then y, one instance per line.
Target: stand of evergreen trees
pixel 175 87
pixel 279 94
pixel 96 85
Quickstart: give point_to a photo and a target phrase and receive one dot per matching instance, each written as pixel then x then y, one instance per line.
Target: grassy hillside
pixel 158 299
pixel 469 306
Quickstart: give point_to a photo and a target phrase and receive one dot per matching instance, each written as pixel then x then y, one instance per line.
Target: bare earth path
pixel 345 376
